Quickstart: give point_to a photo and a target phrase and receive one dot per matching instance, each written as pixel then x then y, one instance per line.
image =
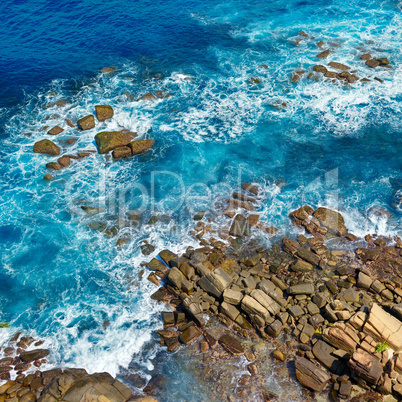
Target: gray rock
pixel 176 278
pixel 215 282
pixel 231 311
pixel 295 311
pixel 252 307
pixel 232 296
pixel 301 289
pixel 266 301
pixel 238 226
pixel 323 353
pixel 308 256
pixel 275 328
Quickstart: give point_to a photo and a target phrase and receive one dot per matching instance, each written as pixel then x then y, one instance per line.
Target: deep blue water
pixel 331 145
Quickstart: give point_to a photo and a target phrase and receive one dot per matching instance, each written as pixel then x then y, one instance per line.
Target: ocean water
pixel 307 142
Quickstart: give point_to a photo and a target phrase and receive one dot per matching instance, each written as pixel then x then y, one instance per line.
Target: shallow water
pixel 331 145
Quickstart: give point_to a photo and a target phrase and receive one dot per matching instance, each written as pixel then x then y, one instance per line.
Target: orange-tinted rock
pixel 109 140
pixel 64 161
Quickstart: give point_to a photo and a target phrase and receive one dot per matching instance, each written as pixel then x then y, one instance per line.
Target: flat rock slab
pixel 55 130
pixel 382 326
pixel 232 345
pixel 190 335
pixel 311 376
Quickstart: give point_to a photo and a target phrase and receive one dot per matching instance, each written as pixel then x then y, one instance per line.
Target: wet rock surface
pixel 323 292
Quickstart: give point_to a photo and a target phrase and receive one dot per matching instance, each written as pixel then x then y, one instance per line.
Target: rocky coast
pixel 335 300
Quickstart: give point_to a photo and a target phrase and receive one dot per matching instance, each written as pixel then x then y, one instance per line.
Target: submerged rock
pixel 55 130
pixel 46 147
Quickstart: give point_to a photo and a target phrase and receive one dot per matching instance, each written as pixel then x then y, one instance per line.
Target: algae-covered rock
pixel 109 140
pixel 87 122
pixel 46 147
pixel 103 112
pixel 140 146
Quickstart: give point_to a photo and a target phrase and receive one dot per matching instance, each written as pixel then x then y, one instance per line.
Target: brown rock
pixel 47 177
pixel 55 130
pixel 311 376
pixel 62 102
pixel 71 141
pixel 332 220
pixel 250 187
pixel 30 356
pixel 87 122
pixel 148 97
pixel 366 366
pixel 190 335
pixel 46 147
pixel 320 69
pixel 323 54
pixel 338 66
pixel 365 56
pixel 64 161
pixel 54 166
pixel 109 140
pixel 373 63
pixel 232 345
pixel 103 112
pixel 121 152
pixel 140 146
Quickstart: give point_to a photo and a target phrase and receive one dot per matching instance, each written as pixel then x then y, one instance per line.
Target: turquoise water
pixel 331 145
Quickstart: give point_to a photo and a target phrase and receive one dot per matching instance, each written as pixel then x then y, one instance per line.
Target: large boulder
pixel 140 146
pixel 76 385
pixel 103 112
pixel 332 220
pixel 46 147
pixel 311 376
pixel 384 327
pixel 32 355
pixel 87 122
pixel 109 140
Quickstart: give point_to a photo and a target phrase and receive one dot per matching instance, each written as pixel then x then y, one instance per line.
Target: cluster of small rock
pixel 342 73
pixel 340 304
pixel 121 143
pixel 71 385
